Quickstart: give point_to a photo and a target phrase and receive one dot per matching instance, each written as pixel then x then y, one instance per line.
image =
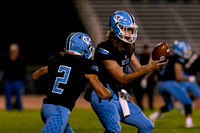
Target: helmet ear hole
pixel 85 51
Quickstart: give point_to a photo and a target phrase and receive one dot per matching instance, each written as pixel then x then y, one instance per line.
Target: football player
pixel 192 66
pixel 69 71
pixel 169 82
pixel 113 58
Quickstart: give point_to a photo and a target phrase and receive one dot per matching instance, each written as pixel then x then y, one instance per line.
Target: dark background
pixel 40 29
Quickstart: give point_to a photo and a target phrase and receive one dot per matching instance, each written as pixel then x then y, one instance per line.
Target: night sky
pixel 40 29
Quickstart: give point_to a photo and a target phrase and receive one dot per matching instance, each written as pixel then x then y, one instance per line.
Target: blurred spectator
pixel 147 83
pixel 13 67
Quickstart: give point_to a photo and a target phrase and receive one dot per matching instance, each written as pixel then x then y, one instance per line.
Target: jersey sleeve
pixel 179 60
pixel 90 67
pixel 104 51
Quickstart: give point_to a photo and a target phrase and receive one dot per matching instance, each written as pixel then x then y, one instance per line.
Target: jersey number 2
pixel 63 79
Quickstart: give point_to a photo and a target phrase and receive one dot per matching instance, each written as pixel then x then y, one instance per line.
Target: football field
pixel 84 120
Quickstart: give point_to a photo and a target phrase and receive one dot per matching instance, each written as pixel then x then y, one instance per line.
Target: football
pixel 160 51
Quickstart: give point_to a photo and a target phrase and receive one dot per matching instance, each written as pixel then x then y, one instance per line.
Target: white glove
pixel 143 83
pixel 124 94
pixel 192 78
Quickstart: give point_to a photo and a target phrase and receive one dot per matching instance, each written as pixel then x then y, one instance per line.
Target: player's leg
pixel 180 94
pixel 68 129
pixel 194 90
pixel 166 89
pixel 175 90
pixel 107 112
pixel 192 87
pixel 167 107
pixel 8 94
pixel 138 119
pixel 18 86
pixel 54 117
pixel 162 86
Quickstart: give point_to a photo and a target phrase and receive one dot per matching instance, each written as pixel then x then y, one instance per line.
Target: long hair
pixel 118 43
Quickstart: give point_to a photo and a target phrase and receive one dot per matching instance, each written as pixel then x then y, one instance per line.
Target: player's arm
pixel 115 70
pixel 178 70
pixel 40 72
pixel 101 91
pixel 135 65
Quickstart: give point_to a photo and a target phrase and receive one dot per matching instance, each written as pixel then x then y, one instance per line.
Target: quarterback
pixel 113 57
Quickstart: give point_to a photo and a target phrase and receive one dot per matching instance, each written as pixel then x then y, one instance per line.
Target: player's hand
pixel 155 64
pixel 112 93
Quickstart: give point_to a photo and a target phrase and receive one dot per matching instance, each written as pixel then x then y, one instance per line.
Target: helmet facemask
pixel 187 53
pixel 91 53
pixel 128 34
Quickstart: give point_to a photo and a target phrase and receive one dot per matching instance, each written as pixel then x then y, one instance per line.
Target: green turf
pixel 27 121
pixel 85 121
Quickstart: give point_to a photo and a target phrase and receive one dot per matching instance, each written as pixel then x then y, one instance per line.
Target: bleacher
pixel 158 22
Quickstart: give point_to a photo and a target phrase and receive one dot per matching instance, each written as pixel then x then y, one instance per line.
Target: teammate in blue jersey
pixel 113 58
pixel 69 71
pixel 169 83
pixel 192 88
pixel 192 66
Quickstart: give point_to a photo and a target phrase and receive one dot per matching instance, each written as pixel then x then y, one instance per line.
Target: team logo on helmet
pixel 117 18
pixel 87 40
